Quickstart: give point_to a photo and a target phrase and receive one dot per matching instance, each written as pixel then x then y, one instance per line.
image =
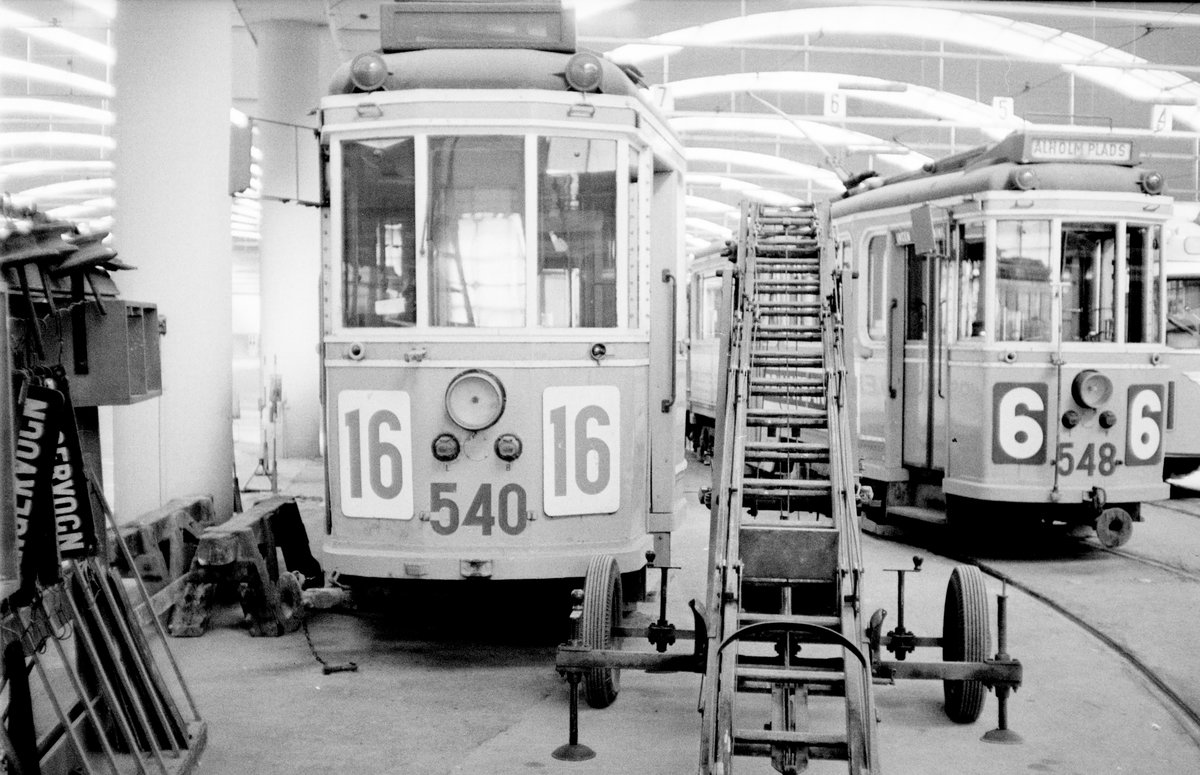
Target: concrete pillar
pixel 173 76
pixel 292 76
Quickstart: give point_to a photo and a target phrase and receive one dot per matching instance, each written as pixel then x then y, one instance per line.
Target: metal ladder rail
pixel 718 736
pixel 860 720
pixel 722 598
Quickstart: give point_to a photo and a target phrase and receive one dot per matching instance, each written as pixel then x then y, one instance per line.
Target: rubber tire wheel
pixel 966 637
pixel 1114 526
pixel 601 611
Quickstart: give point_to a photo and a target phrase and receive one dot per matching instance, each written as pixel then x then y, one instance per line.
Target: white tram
pixel 502 242
pixel 1010 324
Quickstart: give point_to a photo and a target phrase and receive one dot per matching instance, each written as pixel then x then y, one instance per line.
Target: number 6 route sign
pixel 581 439
pixel 375 454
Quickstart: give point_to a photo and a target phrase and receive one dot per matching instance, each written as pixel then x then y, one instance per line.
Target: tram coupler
pixel 901 641
pixel 661 633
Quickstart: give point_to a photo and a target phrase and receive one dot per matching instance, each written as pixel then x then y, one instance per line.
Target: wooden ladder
pixel 786 676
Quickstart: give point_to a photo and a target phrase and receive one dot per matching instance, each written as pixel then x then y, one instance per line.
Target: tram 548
pixel 1010 318
pixel 502 237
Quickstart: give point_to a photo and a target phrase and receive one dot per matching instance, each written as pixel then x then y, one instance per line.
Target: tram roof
pixel 488 68
pixel 1063 162
pixel 468 44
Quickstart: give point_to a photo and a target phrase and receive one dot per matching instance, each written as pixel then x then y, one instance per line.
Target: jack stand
pixel 901 642
pixel 662 632
pixel 1002 734
pixel 573 750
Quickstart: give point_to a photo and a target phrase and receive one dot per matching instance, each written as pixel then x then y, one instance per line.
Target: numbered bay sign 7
pixel 375 453
pixel 581 439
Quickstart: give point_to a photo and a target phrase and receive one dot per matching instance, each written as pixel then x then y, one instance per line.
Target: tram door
pixel 926 293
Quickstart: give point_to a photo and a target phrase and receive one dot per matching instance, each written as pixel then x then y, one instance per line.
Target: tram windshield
pixel 1183 312
pixel 1099 289
pixel 518 232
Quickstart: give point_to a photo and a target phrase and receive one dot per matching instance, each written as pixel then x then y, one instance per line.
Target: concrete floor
pixel 467 685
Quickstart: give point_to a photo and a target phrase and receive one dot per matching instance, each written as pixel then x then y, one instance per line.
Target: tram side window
pixel 577 214
pixel 1089 258
pixel 1023 288
pixel 877 250
pixel 1141 296
pixel 971 304
pixel 476 231
pixel 378 248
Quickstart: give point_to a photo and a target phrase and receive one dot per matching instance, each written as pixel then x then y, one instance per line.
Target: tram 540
pixel 502 239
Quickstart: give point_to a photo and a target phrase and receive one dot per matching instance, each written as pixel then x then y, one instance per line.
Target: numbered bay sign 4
pixel 581 435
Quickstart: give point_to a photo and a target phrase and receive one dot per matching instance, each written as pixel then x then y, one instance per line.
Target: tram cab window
pixel 1183 312
pixel 577 216
pixel 971 306
pixel 1141 294
pixel 378 249
pixel 1023 290
pixel 877 308
pixel 708 307
pixel 476 231
pixel 1089 280
pixel 917 294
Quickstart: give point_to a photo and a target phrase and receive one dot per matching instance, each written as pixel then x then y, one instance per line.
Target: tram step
pixel 921 513
pixel 758 742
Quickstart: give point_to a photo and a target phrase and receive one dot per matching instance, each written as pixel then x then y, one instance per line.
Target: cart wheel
pixel 1114 526
pixel 965 638
pixel 601 611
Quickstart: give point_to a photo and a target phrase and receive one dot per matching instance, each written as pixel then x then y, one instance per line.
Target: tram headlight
pixel 508 447
pixel 446 447
pixel 1153 182
pixel 1023 179
pixel 475 400
pixel 584 72
pixel 368 71
pixel 1091 389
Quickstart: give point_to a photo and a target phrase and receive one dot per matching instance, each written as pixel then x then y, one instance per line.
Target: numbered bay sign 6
pixel 581 439
pixel 375 453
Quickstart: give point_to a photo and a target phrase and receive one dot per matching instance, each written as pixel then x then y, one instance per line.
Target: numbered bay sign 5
pixel 581 437
pixel 375 453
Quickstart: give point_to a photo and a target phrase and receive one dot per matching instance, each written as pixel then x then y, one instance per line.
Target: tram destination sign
pixel 1079 149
